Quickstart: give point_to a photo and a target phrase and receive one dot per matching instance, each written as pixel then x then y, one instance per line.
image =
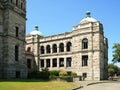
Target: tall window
pixel 68 62
pixel 29 63
pixel 48 49
pixel 17 31
pixel 54 48
pixel 54 62
pixel 85 60
pixel 21 5
pixel 42 63
pixel 16 53
pixel 61 47
pixel 61 62
pixel 42 50
pixel 85 43
pixel 69 46
pixel 16 2
pixel 48 63
pixel 17 74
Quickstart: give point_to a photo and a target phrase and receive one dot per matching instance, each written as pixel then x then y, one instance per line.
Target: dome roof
pixel 36 31
pixel 88 18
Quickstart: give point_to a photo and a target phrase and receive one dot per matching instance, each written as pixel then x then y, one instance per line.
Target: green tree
pixel 116 53
pixel 113 69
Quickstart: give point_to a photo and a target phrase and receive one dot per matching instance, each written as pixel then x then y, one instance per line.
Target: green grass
pixel 35 85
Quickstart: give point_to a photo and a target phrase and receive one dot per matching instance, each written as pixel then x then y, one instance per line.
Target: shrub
pixel 44 75
pixel 54 73
pixel 66 78
pixel 53 77
pixel 73 74
pixel 39 75
pixel 69 73
pixel 63 73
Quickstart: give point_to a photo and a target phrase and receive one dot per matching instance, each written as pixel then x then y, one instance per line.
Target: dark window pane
pixel 61 62
pixel 85 60
pixel 42 63
pixel 68 62
pixel 61 47
pixel 48 63
pixel 85 43
pixel 54 62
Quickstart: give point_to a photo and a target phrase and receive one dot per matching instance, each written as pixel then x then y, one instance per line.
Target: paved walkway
pixel 98 85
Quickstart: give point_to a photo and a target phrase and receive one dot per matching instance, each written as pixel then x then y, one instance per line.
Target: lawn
pixel 35 85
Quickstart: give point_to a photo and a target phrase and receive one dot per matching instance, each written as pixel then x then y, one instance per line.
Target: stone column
pixel 57 62
pixel 51 63
pixel 65 62
pixel 45 63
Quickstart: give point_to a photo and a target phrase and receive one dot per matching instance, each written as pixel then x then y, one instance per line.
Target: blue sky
pixel 58 16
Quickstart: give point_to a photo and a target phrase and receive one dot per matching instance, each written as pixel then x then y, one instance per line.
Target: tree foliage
pixel 113 69
pixel 116 53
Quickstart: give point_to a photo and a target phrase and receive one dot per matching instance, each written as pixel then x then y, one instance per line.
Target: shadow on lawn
pixel 23 80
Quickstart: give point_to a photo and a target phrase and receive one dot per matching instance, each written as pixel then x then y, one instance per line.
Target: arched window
pixel 85 43
pixel 68 48
pixel 54 48
pixel 48 49
pixel 29 49
pixel 61 47
pixel 42 50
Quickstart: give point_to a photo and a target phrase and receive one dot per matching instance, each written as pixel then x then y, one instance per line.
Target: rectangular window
pixel 21 5
pixel 29 63
pixel 61 62
pixel 17 74
pixel 84 75
pixel 17 30
pixel 54 63
pixel 16 53
pixel 85 60
pixel 68 62
pixel 16 2
pixel 48 63
pixel 42 63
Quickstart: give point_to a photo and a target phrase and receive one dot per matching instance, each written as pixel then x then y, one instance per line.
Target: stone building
pixel 12 39
pixel 84 50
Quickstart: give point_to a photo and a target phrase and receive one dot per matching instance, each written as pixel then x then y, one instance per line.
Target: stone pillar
pixel 45 63
pixel 57 62
pixel 65 62
pixel 51 63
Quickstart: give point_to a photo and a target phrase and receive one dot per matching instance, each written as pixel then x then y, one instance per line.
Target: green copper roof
pixel 88 18
pixel 88 14
pixel 36 31
pixel 36 27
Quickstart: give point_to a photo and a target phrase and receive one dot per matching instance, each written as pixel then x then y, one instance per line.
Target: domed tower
pixel 12 39
pixel 89 40
pixel 33 49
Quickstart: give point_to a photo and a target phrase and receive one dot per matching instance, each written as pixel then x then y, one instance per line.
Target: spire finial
pixel 36 27
pixel 88 14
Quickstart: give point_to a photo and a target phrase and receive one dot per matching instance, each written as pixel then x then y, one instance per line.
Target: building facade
pixel 12 39
pixel 84 50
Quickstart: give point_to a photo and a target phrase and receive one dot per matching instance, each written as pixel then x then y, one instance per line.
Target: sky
pixel 59 16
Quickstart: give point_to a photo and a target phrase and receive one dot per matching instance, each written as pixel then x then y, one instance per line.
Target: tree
pixel 113 69
pixel 116 53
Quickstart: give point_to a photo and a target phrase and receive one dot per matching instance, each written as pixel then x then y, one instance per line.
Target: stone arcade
pixel 84 50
